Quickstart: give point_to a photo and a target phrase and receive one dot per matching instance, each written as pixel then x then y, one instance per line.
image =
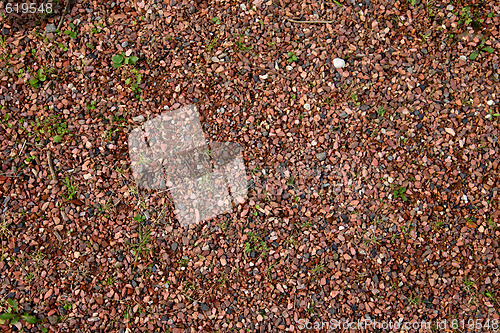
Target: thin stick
pixel 22 148
pixel 308 22
pixel 51 166
pixel 63 14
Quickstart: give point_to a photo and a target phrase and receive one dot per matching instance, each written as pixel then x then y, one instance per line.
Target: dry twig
pixel 51 165
pixel 308 22
pixel 59 25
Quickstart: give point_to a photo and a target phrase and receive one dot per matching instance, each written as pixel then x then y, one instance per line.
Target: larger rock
pixel 338 63
pixel 321 156
pixel 50 28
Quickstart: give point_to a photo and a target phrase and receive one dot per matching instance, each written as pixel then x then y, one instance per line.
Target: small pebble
pixel 338 63
pixel 50 28
pixel 307 106
pixel 321 156
pixel 138 119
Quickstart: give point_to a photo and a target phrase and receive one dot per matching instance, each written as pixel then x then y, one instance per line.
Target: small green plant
pixel 290 240
pixel 213 42
pixel 91 105
pixel 71 31
pixel 241 45
pixel 492 114
pixel 29 277
pixel 412 2
pixel 481 48
pixel 306 225
pixel 355 99
pixel 52 126
pixel 465 15
pixel 184 261
pixel 415 300
pixel 62 47
pixel 140 246
pixel 6 120
pixel 71 188
pixel 67 306
pixel 248 248
pixel 468 285
pixel 318 269
pixel 14 316
pixel 399 193
pixel 90 46
pixel 135 80
pixel 256 244
pixel 109 282
pixel 216 20
pixel 371 240
pixel 439 223
pixel 38 77
pixel 491 223
pixel 120 59
pixel 292 57
pixel 139 218
pixel 381 111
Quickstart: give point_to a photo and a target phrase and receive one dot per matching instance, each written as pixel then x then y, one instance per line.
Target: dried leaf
pixel 76 202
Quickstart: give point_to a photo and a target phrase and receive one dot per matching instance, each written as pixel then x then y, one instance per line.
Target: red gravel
pixel 373 188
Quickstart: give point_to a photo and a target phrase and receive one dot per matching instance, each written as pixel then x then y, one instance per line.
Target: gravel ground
pixel 373 187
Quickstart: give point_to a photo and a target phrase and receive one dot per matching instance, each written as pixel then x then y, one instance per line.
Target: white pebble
pixel 338 63
pixel 490 102
pixel 243 7
pixel 307 106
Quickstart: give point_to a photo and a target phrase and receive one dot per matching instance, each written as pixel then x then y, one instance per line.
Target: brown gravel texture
pixel 373 188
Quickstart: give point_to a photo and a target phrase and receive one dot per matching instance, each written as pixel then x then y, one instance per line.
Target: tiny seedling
pixel 241 45
pixel 399 193
pixel 415 300
pixel 62 47
pixel 71 31
pixel 381 111
pixel 91 106
pixel 71 188
pixel 256 244
pixel 318 269
pixel 140 246
pixel 13 316
pixel 39 77
pixel 355 99
pixel 492 115
pixel 120 59
pixel 216 20
pixel 139 218
pixel 481 48
pixel 292 57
